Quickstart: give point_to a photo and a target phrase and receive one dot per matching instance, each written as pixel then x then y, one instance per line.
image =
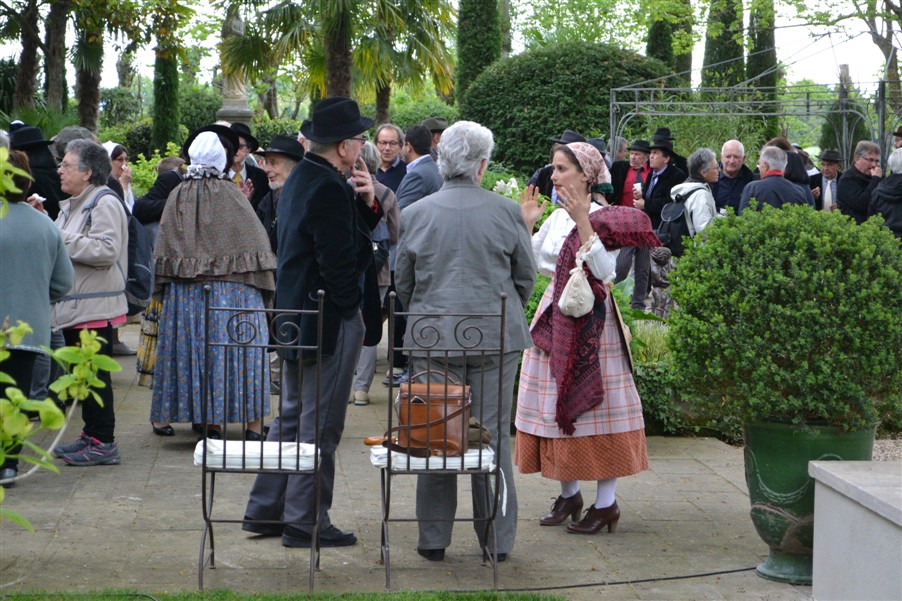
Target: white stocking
pixel 569 488
pixel 605 495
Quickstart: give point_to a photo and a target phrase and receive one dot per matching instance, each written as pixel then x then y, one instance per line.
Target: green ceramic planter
pixel 782 493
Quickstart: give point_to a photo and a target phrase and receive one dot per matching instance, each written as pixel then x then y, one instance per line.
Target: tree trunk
pixel 87 78
pixel 55 55
pixel 27 68
pixel 338 54
pixel 125 69
pixel 504 16
pixel 271 98
pixel 893 89
pixel 165 99
pixel 383 99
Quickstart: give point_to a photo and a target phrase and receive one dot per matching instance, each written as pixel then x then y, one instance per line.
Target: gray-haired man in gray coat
pixel 460 249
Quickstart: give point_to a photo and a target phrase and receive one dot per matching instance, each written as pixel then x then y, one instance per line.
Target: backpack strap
pixel 685 195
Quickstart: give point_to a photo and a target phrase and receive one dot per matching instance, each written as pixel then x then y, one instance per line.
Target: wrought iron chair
pixel 411 451
pixel 249 335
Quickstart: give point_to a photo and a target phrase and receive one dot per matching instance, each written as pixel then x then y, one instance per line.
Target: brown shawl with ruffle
pixel 573 343
pixel 210 232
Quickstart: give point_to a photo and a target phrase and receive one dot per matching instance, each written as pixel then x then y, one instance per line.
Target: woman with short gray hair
pixel 94 227
pixel 461 156
pixel 695 192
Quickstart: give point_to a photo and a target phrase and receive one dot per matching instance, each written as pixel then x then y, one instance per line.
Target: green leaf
pixel 16 518
pixel 106 363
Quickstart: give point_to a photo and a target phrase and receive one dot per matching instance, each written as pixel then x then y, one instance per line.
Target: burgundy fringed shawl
pixel 573 343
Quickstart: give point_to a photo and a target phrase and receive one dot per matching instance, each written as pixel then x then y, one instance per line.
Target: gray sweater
pixel 34 270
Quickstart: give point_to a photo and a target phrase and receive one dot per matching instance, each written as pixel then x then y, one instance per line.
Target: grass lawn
pixel 230 596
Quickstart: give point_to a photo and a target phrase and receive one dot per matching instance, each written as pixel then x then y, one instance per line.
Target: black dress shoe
pixel 7 473
pixel 163 430
pixel 261 529
pixel 501 557
pixel 252 436
pixel 432 554
pixel 329 537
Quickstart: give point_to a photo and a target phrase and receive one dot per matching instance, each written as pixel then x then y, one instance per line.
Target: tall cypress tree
pixel 660 42
pixel 723 42
pixel 762 61
pixel 165 99
pixel 478 40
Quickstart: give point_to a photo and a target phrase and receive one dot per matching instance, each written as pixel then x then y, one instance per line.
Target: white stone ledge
pixel 876 485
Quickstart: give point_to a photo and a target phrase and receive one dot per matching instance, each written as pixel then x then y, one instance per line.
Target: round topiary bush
pixel 530 97
pixel 791 314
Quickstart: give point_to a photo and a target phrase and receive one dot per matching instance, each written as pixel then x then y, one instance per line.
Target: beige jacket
pixel 99 253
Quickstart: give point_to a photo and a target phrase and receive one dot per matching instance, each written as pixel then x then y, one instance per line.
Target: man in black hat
pixel 663 134
pixel 823 184
pixel 626 174
pixel 325 211
pixel 436 126
pixel 541 179
pixel 283 155
pixel 30 140
pixel 252 180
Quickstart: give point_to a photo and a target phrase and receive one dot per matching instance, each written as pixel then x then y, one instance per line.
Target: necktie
pixel 237 179
pixel 654 180
pixel 639 176
pixel 828 195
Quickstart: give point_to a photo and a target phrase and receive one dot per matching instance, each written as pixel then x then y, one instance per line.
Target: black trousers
pixel 19 367
pixel 100 422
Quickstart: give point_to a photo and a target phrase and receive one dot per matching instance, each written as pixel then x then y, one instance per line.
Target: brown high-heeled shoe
pixel 596 519
pixel 571 506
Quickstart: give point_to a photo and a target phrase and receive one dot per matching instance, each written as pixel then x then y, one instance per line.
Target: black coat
pixel 324 244
pixel 149 208
pixel 619 172
pixel 854 190
pixel 541 178
pixel 817 181
pixel 660 194
pixel 886 200
pixel 261 184
pixel 46 180
pixel 266 212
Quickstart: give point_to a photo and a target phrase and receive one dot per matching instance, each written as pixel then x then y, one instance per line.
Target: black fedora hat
pixel 285 145
pixel 569 136
pixel 599 145
pixel 221 130
pixel 640 146
pixel 27 138
pixel 335 119
pixel 662 133
pixel 661 144
pixel 830 155
pixel 898 132
pixel 435 124
pixel 245 132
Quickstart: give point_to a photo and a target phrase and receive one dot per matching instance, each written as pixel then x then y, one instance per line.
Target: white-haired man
pixel 734 176
pixel 772 188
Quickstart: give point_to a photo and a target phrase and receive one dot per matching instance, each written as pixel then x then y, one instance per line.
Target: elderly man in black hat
pixel 282 156
pixel 662 134
pixel 30 140
pixel 325 211
pixel 251 179
pixel 541 179
pixel 823 184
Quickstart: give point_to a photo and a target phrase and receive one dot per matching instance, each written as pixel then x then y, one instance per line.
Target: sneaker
pixel 361 398
pixel 397 379
pixel 83 441
pixel 96 453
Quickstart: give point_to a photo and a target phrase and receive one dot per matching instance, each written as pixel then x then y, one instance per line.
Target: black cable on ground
pixel 605 583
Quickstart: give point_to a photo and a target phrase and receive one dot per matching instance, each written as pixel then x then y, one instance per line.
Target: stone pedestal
pixel 234 90
pixel 857 530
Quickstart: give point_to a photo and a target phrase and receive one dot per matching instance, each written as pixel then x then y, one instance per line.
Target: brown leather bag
pixel 433 418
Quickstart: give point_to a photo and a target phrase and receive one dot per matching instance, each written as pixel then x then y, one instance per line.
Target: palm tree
pixel 339 47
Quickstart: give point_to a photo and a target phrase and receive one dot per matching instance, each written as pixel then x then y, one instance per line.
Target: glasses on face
pixel 66 166
pixel 387 143
pixel 361 139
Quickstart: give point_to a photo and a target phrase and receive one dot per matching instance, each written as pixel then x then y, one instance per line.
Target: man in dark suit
pixel 772 188
pixel 251 179
pixel 856 184
pixel 823 184
pixel 30 140
pixel 323 220
pixel 422 177
pixel 663 134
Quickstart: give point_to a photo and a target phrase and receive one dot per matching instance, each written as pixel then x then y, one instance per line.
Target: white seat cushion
pixel 470 460
pixel 241 455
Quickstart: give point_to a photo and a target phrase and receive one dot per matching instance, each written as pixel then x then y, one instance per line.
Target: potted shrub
pixel 789 321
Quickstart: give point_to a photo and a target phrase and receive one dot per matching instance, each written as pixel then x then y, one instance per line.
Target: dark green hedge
pixel 198 106
pixel 528 98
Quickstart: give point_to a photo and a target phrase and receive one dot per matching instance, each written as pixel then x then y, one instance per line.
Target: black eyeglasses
pixel 361 139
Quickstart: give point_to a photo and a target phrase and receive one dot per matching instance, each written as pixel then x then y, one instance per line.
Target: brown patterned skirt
pixel 583 457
